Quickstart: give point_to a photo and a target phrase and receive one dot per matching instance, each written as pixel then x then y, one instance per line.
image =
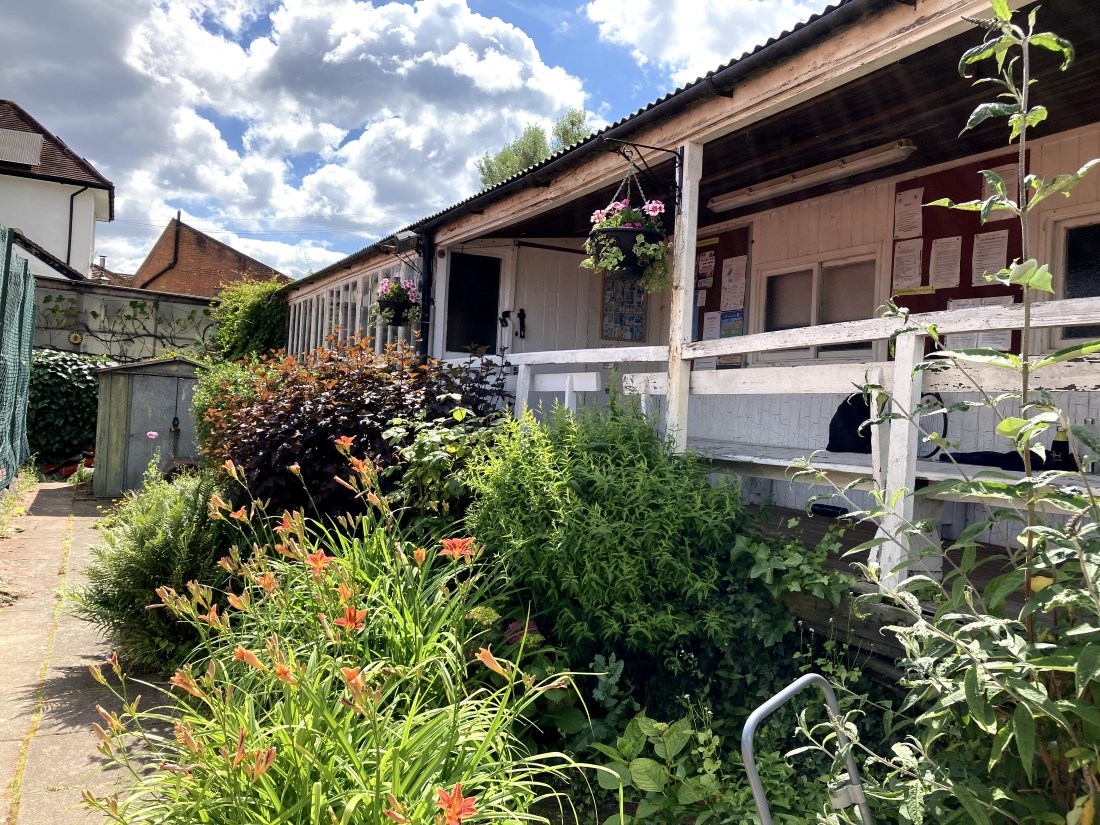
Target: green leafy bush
pixel 221 389
pixel 159 535
pixel 625 546
pixel 62 403
pixel 251 318
pixel 295 411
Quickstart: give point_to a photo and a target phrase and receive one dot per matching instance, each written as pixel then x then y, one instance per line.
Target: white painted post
pixel 570 395
pixel 523 389
pixel 683 296
pixel 901 464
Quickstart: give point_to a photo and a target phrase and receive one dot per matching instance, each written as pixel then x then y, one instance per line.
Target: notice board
pixel 721 291
pixel 926 253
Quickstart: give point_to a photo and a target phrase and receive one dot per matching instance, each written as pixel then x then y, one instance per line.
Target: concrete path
pixel 47 699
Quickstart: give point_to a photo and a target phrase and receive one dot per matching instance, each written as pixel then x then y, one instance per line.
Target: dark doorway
pixel 472 302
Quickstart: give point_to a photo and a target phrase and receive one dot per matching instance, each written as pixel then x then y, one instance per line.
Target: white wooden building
pixel 799 165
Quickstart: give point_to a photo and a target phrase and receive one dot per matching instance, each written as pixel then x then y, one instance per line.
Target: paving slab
pixel 47 699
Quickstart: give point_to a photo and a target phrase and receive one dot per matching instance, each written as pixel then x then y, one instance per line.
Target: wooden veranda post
pixel 683 295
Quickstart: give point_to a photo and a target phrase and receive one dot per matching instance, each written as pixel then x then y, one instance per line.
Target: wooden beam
pixel 623 355
pixel 683 295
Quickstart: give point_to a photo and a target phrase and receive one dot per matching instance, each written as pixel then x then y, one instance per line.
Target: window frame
pixel 1058 225
pixel 817 263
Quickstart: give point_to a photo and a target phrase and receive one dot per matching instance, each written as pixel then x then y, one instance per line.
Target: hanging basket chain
pixel 630 178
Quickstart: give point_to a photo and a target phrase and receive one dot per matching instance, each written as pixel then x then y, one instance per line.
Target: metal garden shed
pixel 144 407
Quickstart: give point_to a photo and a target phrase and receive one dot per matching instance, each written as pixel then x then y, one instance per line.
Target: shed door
pixel 157 400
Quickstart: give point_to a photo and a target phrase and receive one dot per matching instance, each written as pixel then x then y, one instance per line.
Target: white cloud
pixel 688 38
pixel 340 118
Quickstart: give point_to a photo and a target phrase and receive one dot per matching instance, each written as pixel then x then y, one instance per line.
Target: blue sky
pixel 300 131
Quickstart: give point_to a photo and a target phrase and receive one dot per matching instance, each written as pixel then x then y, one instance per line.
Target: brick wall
pixel 202 264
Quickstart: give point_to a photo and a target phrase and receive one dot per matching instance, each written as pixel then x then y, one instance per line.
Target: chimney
pixel 102 261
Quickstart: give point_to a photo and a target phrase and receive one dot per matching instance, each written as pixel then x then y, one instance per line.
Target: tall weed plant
pixel 1004 680
pixel 351 680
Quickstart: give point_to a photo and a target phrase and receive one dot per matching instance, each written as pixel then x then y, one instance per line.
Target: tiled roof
pixel 57 161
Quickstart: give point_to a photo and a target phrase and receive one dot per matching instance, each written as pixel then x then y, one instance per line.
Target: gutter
pixel 175 255
pixel 72 207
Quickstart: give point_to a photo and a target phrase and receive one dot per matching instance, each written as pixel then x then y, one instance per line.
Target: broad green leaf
pixel 971 804
pixel 569 720
pixel 610 777
pixel 980 710
pixel 1000 742
pixel 1010 427
pixel 646 809
pixel 1067 354
pixel 979 53
pixel 1061 183
pixel 632 741
pixel 982 114
pixel 983 355
pixel 1023 725
pixel 677 736
pixel 1028 273
pixel 995 181
pixel 1086 436
pixel 648 775
pixel 1053 43
pixel 690 792
pixel 646 725
pixel 1001 9
pixel 1088 667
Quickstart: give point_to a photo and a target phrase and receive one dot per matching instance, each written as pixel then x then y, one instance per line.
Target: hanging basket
pixel 395 312
pixel 624 238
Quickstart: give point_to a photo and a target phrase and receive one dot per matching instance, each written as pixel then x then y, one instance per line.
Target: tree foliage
pixel 533 146
pixel 251 318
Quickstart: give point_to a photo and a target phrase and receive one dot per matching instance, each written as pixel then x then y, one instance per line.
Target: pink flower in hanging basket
pixel 653 207
pixel 151 434
pixel 598 215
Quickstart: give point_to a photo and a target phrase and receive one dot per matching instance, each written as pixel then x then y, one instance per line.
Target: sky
pixel 301 131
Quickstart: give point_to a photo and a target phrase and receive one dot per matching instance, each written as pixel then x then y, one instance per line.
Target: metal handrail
pixel 849 795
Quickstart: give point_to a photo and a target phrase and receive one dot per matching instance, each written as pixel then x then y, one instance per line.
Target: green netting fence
pixel 16 333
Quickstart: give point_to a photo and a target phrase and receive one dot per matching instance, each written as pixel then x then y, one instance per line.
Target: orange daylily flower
pixel 454 807
pixel 295 468
pixel 486 657
pixel 230 467
pixel 419 554
pixel 183 679
pixel 344 442
pixel 242 654
pixel 240 514
pixel 318 562
pixel 354 677
pixel 261 761
pixel 267 581
pixel 344 592
pixel 396 811
pixel 241 602
pixel 286 525
pixel 458 548
pixel 352 619
pixel 284 675
pixel 186 737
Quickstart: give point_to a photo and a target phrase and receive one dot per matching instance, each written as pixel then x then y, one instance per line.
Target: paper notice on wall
pixel 990 256
pixel 962 340
pixel 733 282
pixel 704 283
pixel 1010 176
pixel 1000 339
pixel 712 325
pixel 704 263
pixel 907 255
pixel 945 263
pixel 908 222
pixel 700 298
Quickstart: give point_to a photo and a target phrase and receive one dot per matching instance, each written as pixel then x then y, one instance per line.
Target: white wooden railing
pixel 893 464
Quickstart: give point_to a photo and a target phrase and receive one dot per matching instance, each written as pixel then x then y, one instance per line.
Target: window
pixel 1082 268
pixel 821 293
pixel 473 293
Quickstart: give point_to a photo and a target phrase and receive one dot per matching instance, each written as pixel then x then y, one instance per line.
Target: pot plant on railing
pixel 397 304
pixel 629 242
